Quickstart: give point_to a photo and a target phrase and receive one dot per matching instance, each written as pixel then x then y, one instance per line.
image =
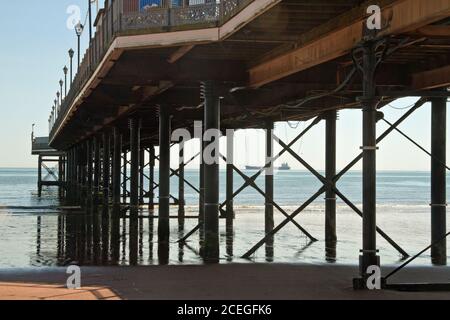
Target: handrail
pixel 126 16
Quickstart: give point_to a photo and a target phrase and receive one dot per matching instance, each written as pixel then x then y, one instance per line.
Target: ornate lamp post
pixel 65 81
pixel 79 30
pixel 61 82
pixel 71 53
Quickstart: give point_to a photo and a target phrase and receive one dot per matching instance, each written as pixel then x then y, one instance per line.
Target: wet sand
pixel 229 282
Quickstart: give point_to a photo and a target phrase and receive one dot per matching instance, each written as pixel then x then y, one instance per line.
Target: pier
pixel 216 66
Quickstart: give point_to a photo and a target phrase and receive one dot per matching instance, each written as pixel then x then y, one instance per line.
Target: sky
pixel 34 52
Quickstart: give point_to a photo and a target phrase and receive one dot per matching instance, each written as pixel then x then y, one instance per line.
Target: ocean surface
pixel 37 232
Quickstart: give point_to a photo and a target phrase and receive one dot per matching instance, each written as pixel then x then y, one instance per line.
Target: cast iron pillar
pixel 211 172
pixel 330 172
pixel 69 177
pixel 201 196
pixel 106 169
pixel 77 176
pixel 181 201
pixel 135 139
pixel 229 192
pixel 40 176
pixel 116 168
pixel 141 175
pixel 83 173
pixel 369 256
pixel 97 171
pixel 90 169
pixel 269 172
pixel 438 183
pixel 134 168
pixel 164 182
pixel 60 176
pixel 125 176
pixel 151 189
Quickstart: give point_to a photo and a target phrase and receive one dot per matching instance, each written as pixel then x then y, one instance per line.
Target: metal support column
pixel 369 251
pixel 116 169
pixel 135 140
pixel 211 172
pixel 181 201
pixel 106 169
pixel 141 175
pixel 330 172
pixel 77 176
pixel 164 183
pixel 69 177
pixel 40 176
pixel 60 176
pixel 134 168
pixel 201 197
pixel 97 171
pixel 230 184
pixel 125 177
pixel 438 182
pixel 83 174
pixel 151 191
pixel 269 222
pixel 90 170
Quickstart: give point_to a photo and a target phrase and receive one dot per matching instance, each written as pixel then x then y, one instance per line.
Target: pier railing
pixel 128 17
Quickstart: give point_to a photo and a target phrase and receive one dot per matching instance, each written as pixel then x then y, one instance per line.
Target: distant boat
pixel 285 167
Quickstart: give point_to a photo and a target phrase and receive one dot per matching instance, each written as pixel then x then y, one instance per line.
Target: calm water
pixel 34 232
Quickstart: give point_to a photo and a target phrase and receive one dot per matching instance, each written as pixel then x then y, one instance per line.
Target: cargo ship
pixel 285 166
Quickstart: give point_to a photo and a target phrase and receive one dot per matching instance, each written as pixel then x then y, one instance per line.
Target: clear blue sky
pixel 35 41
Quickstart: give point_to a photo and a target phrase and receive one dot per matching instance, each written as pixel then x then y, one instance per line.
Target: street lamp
pixel 65 81
pixel 79 30
pixel 71 65
pixel 61 82
pixel 58 104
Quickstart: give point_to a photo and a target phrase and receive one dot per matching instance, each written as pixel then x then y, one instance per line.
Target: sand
pixel 229 282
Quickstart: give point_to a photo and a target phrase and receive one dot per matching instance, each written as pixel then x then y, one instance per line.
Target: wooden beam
pixel 400 17
pixel 436 78
pixel 434 31
pixel 177 55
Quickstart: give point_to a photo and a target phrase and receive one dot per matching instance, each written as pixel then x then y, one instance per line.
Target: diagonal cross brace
pixel 250 180
pixel 270 200
pixel 257 174
pixel 418 145
pixel 417 105
pixel 330 185
pixel 51 172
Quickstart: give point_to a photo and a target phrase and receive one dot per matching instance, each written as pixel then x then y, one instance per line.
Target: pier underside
pixel 292 51
pixel 270 61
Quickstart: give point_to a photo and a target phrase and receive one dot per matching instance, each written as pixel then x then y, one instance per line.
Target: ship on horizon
pixel 284 166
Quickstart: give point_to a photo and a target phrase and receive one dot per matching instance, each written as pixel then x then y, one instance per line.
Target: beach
pixel 235 282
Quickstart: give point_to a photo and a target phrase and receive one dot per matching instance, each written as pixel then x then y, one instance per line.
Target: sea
pixel 37 232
